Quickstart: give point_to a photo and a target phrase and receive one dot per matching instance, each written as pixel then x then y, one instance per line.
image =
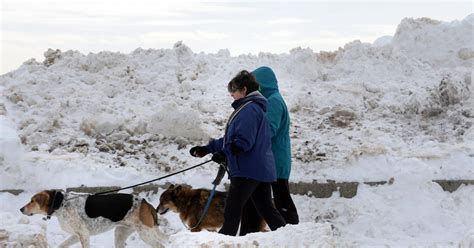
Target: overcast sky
pixel 28 28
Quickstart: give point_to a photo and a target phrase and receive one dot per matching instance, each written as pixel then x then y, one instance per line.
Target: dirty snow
pixel 400 108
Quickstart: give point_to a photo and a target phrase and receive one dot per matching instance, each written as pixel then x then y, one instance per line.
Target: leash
pixel 57 201
pixel 153 180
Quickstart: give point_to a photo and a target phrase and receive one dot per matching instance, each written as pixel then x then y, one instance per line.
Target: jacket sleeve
pixel 274 113
pixel 245 127
pixel 215 145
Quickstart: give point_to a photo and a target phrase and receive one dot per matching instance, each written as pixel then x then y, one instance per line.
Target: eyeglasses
pixel 232 88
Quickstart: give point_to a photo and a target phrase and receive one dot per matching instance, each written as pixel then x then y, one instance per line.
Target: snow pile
pixel 14 233
pixel 12 155
pixel 436 43
pixel 409 211
pixel 17 230
pixel 383 41
pixel 400 108
pixel 302 235
pixel 382 100
pixel 363 99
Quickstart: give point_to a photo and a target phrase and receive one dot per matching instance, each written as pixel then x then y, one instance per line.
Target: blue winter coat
pixel 277 115
pixel 250 131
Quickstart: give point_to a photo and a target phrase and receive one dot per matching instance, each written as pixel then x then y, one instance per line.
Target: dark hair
pixel 241 80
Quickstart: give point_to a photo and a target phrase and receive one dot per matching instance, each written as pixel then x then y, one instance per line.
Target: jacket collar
pixel 255 96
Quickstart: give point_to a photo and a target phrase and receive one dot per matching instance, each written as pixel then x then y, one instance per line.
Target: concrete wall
pixel 314 189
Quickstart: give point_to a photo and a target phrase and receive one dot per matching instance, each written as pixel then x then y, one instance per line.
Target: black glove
pixel 219 157
pixel 220 175
pixel 198 151
pixel 236 150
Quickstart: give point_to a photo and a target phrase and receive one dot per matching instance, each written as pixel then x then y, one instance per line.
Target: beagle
pixel 85 215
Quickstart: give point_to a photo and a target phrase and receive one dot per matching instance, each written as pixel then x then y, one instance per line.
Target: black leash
pixel 156 179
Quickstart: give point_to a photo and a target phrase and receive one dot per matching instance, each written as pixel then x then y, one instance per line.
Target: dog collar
pixel 55 204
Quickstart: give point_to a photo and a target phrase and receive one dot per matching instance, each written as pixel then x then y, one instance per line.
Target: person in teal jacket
pixel 279 119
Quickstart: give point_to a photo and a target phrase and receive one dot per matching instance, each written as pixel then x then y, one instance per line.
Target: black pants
pixel 283 202
pixel 259 193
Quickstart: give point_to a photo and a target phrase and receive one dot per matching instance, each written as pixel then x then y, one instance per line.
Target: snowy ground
pixel 401 108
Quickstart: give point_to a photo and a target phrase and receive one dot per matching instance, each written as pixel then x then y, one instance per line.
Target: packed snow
pixel 401 108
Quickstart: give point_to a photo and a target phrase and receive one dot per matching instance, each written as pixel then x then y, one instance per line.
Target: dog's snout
pixel 22 209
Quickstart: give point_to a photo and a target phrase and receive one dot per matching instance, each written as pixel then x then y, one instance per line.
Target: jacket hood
pixel 267 80
pixel 255 97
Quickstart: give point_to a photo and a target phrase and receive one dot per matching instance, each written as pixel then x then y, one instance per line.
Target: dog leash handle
pixel 220 175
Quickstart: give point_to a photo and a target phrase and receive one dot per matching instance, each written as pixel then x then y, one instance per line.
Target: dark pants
pixel 283 202
pixel 259 193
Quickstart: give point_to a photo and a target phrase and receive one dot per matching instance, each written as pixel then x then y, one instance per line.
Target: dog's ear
pixel 171 186
pixel 177 189
pixel 43 198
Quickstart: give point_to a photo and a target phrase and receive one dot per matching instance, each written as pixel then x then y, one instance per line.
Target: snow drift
pixel 361 99
pixel 400 107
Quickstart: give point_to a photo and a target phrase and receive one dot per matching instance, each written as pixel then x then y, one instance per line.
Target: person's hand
pixel 198 151
pixel 219 157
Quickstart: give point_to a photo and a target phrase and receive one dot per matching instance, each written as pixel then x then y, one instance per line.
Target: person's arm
pixel 215 145
pixel 245 129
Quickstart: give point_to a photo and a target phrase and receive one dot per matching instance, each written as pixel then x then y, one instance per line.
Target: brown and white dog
pixel 86 215
pixel 190 203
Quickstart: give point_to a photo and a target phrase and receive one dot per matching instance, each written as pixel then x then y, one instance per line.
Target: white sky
pixel 28 28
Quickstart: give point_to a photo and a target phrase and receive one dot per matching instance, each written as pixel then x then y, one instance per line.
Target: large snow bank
pixel 141 109
pixel 401 108
pixel 439 44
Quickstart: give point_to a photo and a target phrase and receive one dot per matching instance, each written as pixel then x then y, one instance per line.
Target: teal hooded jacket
pixel 279 119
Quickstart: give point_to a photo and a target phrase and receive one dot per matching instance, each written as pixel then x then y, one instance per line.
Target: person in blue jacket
pixel 246 148
pixel 279 119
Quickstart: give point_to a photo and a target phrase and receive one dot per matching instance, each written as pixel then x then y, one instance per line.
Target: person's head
pixel 242 84
pixel 267 80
